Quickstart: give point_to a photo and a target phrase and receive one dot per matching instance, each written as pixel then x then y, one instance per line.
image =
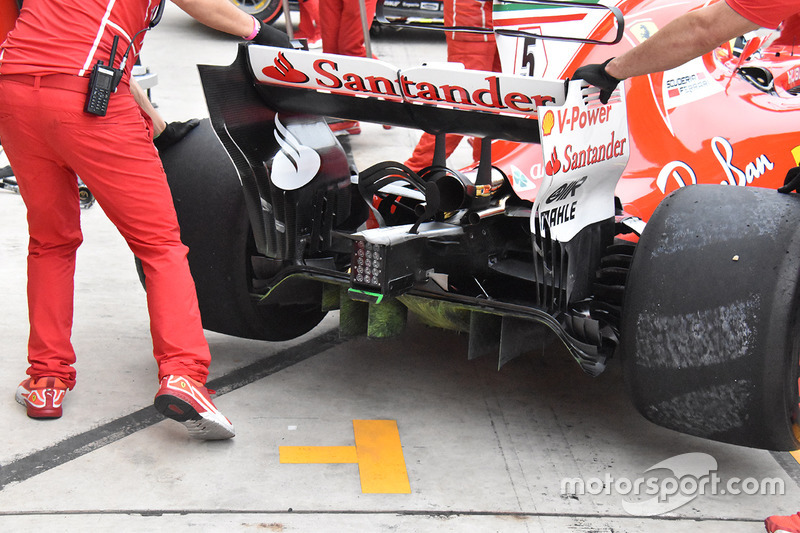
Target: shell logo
pixel 547 123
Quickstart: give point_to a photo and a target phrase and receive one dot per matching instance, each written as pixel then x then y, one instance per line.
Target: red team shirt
pixel 767 14
pixel 79 32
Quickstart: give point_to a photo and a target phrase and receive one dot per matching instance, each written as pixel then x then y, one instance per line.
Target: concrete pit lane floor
pixel 342 435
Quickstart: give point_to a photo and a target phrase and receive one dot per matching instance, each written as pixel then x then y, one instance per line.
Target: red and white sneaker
pixel 783 524
pixel 187 401
pixel 42 397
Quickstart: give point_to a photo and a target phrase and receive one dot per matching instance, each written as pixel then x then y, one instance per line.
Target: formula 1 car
pixel 554 229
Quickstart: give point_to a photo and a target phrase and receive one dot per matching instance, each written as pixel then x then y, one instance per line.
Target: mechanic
pixel 474 51
pixel 689 36
pixel 52 131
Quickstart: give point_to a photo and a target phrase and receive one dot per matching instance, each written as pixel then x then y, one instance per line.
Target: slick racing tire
pixel 711 317
pixel 266 10
pixel 214 225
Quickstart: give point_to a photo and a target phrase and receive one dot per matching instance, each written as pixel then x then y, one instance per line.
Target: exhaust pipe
pixel 476 216
pixel 457 191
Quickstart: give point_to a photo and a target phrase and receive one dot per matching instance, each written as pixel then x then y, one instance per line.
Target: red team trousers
pixel 309 27
pixel 342 30
pixel 49 140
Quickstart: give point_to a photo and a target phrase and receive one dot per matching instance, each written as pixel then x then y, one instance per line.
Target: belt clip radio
pixel 102 83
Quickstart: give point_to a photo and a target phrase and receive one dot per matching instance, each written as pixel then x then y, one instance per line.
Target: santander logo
pixel 554 165
pixel 427 85
pixel 284 71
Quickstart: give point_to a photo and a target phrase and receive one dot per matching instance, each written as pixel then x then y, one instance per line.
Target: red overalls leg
pixel 474 55
pixel 351 33
pixel 50 192
pixel 330 15
pixel 308 28
pixel 115 157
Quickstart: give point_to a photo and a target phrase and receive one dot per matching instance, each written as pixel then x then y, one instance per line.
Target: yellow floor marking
pixel 380 457
pixel 796 455
pixel 378 453
pixel 318 454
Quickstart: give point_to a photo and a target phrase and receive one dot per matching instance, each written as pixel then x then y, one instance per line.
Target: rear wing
pixel 580 137
pixel 435 99
pixel 585 144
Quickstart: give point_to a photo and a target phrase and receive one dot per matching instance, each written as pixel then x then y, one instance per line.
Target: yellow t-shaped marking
pixel 378 453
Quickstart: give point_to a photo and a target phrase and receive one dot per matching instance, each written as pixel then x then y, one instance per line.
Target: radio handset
pixel 102 82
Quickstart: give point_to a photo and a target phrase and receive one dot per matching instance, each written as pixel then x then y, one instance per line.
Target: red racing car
pixel 646 230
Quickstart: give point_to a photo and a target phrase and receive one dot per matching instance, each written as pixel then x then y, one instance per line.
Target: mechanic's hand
pixel 597 76
pixel 270 36
pixel 792 181
pixel 174 132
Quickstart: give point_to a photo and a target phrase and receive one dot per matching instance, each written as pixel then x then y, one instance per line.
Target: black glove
pixel 792 181
pixel 597 76
pixel 174 132
pixel 269 36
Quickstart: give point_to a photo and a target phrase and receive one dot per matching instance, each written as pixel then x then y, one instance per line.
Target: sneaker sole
pixel 200 426
pixel 42 414
pixel 19 398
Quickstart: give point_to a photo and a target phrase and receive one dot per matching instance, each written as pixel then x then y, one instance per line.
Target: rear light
pixel 368 264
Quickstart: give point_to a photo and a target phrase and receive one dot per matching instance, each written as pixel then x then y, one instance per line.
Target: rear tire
pixel 711 318
pixel 214 225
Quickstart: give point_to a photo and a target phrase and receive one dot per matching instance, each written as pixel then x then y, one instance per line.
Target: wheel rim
pixel 251 6
pixel 266 10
